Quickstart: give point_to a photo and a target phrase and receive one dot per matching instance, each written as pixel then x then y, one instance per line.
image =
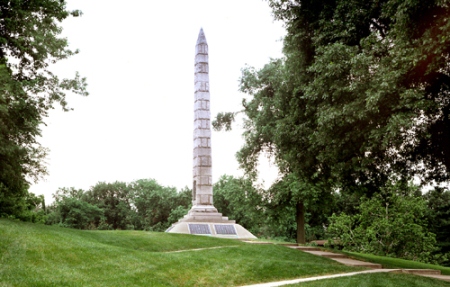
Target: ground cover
pixel 38 255
pixel 392 263
pixel 377 280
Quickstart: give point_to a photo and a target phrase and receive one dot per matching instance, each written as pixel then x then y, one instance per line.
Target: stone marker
pixel 203 218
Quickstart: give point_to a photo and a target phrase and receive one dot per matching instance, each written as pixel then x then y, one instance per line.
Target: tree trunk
pixel 300 223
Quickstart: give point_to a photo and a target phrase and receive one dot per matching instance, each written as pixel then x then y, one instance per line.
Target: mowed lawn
pixel 377 280
pixel 38 255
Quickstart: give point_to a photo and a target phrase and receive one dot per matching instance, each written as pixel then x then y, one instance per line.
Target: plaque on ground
pixel 225 229
pixel 199 229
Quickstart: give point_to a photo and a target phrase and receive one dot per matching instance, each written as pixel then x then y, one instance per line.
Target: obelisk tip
pixel 201 37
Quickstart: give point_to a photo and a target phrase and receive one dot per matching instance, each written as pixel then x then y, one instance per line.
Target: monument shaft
pixel 202 173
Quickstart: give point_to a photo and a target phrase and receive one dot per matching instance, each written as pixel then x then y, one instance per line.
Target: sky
pixel 138 58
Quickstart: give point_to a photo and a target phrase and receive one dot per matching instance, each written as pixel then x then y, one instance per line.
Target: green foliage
pixel 223 121
pixel 282 200
pixel 438 218
pixel 280 209
pixel 154 204
pixel 239 200
pixel 391 223
pixel 176 214
pixel 70 209
pixel 29 44
pixel 360 98
pixel 142 205
pixel 34 209
pixel 114 200
pixel 26 207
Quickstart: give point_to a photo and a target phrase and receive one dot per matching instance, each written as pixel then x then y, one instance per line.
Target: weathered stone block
pixel 201 77
pixel 202 133
pixel 202 151
pixel 201 95
pixel 201 48
pixel 202 114
pixel 206 199
pixel 201 58
pixel 201 87
pixel 201 68
pixel 201 104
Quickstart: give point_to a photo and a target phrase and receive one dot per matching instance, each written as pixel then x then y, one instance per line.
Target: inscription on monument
pixel 199 229
pixel 225 229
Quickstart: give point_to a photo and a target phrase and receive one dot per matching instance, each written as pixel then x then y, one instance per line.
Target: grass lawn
pixel 38 255
pixel 377 280
pixel 392 263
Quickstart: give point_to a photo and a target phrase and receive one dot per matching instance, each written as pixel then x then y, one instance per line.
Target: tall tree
pixel 361 96
pixel 29 43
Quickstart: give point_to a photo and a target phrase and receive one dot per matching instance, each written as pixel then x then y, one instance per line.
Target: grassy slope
pixel 389 262
pixel 37 255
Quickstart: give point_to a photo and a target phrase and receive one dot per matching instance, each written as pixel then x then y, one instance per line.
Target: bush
pixel 391 223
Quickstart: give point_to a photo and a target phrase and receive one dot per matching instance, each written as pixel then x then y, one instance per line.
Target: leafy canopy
pixel 361 96
pixel 29 43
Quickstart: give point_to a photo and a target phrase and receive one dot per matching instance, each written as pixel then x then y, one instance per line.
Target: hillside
pixel 38 255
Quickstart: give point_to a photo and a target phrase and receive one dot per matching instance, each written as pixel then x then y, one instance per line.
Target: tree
pixel 295 209
pixel 115 200
pixel 438 218
pixel 360 98
pixel 71 209
pixel 29 44
pixel 142 204
pixel 155 204
pixel 391 223
pixel 239 200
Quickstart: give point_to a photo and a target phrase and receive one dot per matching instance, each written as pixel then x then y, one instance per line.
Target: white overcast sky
pixel 138 58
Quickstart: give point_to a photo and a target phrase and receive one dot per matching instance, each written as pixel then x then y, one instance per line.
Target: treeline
pixel 398 221
pixel 143 205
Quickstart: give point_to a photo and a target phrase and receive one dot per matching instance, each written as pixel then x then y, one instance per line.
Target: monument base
pixel 205 220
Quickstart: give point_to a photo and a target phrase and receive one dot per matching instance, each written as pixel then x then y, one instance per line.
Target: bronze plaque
pixel 199 229
pixel 225 229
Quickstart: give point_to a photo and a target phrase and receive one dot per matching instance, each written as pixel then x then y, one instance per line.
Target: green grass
pixel 389 262
pixel 377 280
pixel 38 255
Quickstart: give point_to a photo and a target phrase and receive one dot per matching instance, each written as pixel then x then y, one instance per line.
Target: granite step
pixel 357 263
pixel 289 244
pixel 341 258
pixel 305 248
pixel 326 254
pixel 319 242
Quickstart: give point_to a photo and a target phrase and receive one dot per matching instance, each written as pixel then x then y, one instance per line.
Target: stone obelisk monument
pixel 202 194
pixel 203 218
